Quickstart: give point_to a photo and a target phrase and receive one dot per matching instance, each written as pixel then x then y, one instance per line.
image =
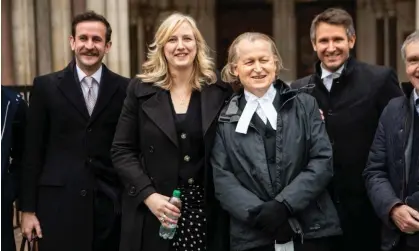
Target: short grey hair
pixel 414 37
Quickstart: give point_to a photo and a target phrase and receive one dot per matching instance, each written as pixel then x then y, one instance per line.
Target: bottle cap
pixel 176 193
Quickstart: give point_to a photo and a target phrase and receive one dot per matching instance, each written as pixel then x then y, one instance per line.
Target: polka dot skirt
pixel 190 234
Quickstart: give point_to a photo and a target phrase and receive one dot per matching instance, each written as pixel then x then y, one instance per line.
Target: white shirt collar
pixel 269 94
pixel 97 75
pixel 263 106
pixel 326 73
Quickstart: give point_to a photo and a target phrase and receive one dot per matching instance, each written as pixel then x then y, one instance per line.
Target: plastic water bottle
pixel 168 233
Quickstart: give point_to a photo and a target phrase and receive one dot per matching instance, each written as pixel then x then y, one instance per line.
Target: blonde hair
pixel 155 69
pixel 227 74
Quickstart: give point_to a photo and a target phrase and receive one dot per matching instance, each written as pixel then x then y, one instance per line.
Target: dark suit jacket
pixel 13 117
pixel 146 155
pixel 67 156
pixel 352 109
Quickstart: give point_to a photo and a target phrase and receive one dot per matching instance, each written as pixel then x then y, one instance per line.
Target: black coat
pixel 389 158
pixel 146 155
pixel 303 170
pixel 351 111
pixel 67 157
pixel 13 121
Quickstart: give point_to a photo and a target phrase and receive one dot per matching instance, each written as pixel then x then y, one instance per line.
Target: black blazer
pixel 351 110
pixel 146 155
pixel 67 156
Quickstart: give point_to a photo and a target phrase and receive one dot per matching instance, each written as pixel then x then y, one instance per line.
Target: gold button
pixel 186 158
pixel 183 135
pixel 191 181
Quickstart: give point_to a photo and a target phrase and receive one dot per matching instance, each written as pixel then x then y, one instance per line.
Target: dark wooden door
pixel 235 17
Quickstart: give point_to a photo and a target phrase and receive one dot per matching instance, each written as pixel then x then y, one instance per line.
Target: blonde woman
pixel 272 159
pixel 163 142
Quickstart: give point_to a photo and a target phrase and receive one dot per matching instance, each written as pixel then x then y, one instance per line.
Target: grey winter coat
pixel 304 169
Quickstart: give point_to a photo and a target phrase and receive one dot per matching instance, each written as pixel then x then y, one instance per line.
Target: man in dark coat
pixel 70 193
pixel 351 95
pixel 13 118
pixel 392 172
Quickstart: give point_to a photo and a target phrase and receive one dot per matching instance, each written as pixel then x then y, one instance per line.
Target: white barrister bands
pixel 263 106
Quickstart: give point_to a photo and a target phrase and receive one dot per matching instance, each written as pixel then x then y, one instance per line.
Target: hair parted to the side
pixel 333 16
pixel 91 16
pixel 413 37
pixel 227 73
pixel 155 70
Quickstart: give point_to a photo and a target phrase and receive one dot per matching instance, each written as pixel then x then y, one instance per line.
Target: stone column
pixel 206 21
pixel 141 44
pixel 124 39
pixel 284 33
pixel 61 31
pixel 98 6
pixel 78 6
pixel 117 14
pixel 7 70
pixel 407 17
pixel 43 37
pixel 113 19
pixel 23 26
pixel 118 57
pixel 417 14
pixel 365 32
pixel 137 42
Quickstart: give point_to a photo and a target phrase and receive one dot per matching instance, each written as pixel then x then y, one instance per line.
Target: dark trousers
pixel 8 188
pixel 405 248
pixel 107 225
pixel 321 244
pixel 7 233
pixel 360 225
pixel 402 246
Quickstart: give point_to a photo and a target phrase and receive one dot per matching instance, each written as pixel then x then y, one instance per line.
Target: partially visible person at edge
pixel 70 190
pixel 13 121
pixel 163 142
pixel 392 172
pixel 272 159
pixel 351 95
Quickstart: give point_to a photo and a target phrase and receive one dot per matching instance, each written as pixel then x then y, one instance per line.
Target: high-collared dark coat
pixel 67 157
pixel 13 121
pixel 302 170
pixel 351 110
pixel 146 155
pixel 387 172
